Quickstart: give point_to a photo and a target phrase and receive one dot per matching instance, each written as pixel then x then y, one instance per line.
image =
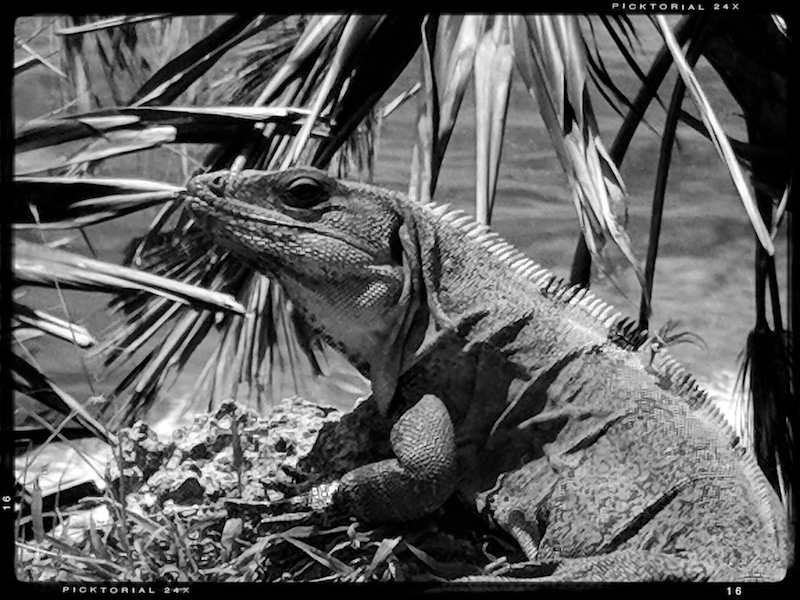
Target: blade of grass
pixel 36 512
pixel 324 558
pixel 59 433
pixel 384 551
pixel 98 546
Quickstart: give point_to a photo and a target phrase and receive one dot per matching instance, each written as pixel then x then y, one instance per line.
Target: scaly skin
pixel 503 386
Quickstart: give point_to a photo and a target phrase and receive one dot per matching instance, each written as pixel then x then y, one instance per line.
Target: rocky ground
pixel 218 501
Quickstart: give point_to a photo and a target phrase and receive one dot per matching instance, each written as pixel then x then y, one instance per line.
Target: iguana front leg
pixel 421 477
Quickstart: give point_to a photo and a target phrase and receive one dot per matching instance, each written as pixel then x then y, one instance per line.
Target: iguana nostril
pixel 217 182
pixel 208 182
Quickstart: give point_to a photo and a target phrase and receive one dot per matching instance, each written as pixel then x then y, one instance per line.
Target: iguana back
pixel 503 385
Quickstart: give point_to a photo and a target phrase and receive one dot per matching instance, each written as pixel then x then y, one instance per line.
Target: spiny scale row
pixel 550 285
pixel 627 334
pixel 687 387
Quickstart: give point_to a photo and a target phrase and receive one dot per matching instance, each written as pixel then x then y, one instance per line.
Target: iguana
pixel 503 385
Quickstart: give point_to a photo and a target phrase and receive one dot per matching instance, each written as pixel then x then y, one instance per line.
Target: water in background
pixel 705 266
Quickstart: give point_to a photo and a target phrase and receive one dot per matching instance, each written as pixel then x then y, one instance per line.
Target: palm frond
pixel 248 353
pixel 767 407
pixel 329 73
pixel 750 54
pixel 38 265
pixel 549 56
pixel 443 93
pixel 178 74
pixel 494 61
pixel 718 136
pixel 662 172
pixel 357 30
pixel 375 64
pixel 67 203
pixel 46 145
pixel 25 318
pixel 110 22
pixel 597 67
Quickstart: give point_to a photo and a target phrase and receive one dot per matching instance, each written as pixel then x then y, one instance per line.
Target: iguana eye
pixel 304 192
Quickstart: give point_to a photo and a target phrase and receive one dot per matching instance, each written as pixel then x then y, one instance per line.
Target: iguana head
pixel 300 219
pixel 342 251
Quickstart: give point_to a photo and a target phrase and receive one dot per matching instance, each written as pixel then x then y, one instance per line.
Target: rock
pixel 233 452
